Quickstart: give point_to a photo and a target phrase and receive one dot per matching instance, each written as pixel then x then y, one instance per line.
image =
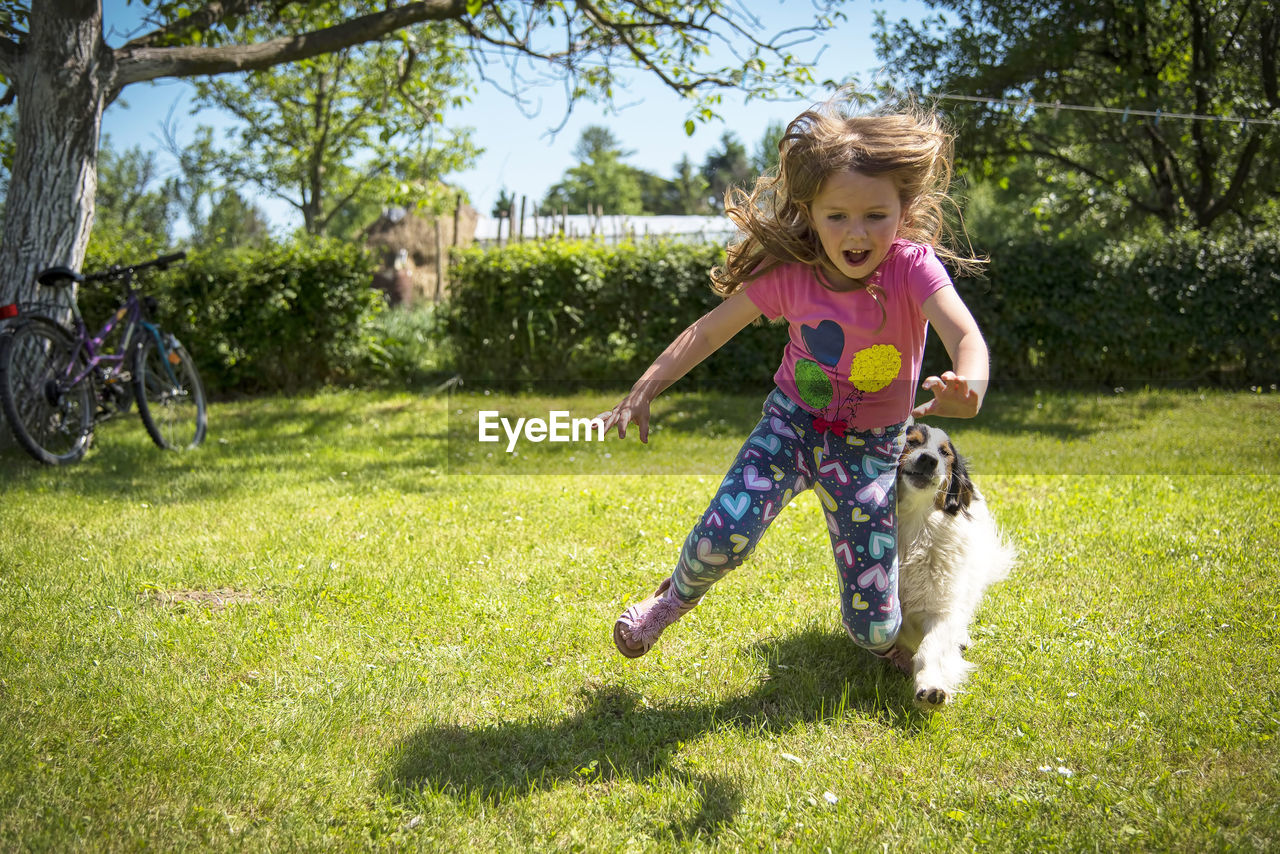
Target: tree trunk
pixel 65 77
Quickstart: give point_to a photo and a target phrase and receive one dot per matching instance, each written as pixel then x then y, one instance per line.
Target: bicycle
pixel 57 383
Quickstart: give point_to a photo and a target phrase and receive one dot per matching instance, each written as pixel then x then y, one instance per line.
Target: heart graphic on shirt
pixel 824 341
pixel 801 466
pixel 859 516
pixel 873 493
pixel 778 474
pixel 739 542
pixel 858 603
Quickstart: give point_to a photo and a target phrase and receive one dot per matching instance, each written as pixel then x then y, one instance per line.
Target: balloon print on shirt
pixel 825 342
pixel 813 384
pixel 871 369
pixel 875 367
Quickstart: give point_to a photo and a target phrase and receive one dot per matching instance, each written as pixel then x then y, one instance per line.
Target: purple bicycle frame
pixel 90 345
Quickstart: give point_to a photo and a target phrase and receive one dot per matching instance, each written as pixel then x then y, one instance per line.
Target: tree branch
pixel 372 173
pixel 1239 178
pixel 1050 154
pixel 606 25
pixel 201 20
pixel 149 63
pixel 1167 170
pixel 426 111
pixel 1267 44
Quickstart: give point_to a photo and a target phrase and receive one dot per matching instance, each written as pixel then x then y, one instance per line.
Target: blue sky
pixel 520 152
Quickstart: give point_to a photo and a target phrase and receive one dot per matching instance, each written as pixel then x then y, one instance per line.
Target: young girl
pixel 844 244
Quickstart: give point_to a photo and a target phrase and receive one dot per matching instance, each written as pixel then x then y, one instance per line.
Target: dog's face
pixel 930 470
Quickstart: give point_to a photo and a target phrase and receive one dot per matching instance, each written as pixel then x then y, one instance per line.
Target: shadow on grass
pixel 276 434
pixel 813 676
pixel 1064 416
pixel 238 453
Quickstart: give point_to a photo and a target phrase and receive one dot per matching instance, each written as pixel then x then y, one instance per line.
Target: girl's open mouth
pixel 856 259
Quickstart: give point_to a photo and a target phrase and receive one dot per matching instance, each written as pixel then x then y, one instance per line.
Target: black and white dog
pixel 949 552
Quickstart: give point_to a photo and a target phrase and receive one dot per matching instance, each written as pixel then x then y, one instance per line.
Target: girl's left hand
pixel 952 397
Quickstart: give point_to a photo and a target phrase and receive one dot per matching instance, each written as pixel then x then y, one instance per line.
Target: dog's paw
pixel 932 697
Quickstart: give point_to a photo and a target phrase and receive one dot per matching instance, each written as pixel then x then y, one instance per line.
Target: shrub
pixel 574 311
pixel 281 317
pixel 1178 309
pixel 411 351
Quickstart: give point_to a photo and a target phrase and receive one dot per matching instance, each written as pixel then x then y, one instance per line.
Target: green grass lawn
pixel 334 626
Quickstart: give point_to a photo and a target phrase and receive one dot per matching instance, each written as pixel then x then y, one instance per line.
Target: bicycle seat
pixel 59 277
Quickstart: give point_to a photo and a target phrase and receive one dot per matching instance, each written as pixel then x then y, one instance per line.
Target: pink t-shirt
pixel 838 364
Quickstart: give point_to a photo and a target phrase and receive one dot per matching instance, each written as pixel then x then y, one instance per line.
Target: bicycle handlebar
pixel 118 271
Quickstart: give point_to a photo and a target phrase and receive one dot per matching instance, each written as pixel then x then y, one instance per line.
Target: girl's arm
pixel 957 393
pixel 706 335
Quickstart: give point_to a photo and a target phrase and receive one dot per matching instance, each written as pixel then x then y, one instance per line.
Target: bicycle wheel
pixel 51 420
pixel 170 396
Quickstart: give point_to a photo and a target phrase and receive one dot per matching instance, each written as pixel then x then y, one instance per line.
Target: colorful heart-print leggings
pixel 853 476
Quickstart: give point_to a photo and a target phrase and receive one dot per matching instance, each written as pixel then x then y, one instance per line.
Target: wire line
pixel 1157 114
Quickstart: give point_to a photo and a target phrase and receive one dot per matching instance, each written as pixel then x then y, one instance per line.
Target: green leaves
pixel 279 318
pixel 569 311
pixel 1175 55
pixel 1055 311
pixel 697 48
pixel 341 135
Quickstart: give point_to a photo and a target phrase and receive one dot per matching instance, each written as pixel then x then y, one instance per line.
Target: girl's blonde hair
pixel 904 142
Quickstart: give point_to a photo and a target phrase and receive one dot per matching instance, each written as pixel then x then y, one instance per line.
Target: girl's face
pixel 857 218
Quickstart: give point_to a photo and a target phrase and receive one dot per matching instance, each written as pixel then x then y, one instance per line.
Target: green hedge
pixel 1184 309
pixel 575 311
pixel 277 318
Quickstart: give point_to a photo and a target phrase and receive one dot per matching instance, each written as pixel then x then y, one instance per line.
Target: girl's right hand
pixel 632 409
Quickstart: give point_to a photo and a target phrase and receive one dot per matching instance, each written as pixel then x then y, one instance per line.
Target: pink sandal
pixel 640 625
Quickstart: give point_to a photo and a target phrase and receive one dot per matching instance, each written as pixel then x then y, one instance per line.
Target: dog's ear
pixel 960 489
